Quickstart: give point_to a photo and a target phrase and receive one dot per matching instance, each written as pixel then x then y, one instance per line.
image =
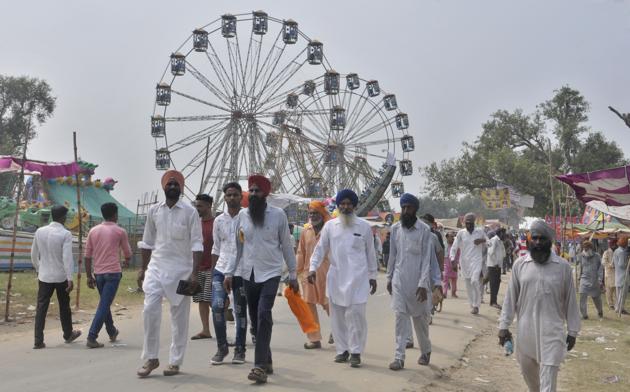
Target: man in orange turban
pixel 262 182
pixel 313 294
pixel 173 175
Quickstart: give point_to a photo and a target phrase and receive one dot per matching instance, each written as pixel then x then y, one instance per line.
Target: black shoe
pixel 312 345
pixel 218 358
pixel 424 359
pixel 398 364
pixel 355 360
pixel 343 357
pixel 93 344
pixel 600 315
pixel 331 340
pixel 38 346
pixel 409 345
pixel 114 337
pixel 584 317
pixel 268 368
pixel 257 375
pixel 239 356
pixel 73 336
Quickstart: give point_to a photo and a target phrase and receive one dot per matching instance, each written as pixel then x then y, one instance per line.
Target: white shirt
pixel 51 253
pixel 542 297
pixel 496 252
pixel 172 234
pixel 350 250
pixel 262 250
pixel 471 255
pixel 411 256
pixel 224 240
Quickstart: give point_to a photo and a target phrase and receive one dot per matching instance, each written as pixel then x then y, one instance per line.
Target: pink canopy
pixel 45 169
pixel 611 186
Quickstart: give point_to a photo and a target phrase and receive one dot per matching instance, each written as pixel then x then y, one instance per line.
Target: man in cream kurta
pixel 470 242
pixel 351 278
pixel 609 273
pixel 541 295
pixel 172 237
pixel 409 280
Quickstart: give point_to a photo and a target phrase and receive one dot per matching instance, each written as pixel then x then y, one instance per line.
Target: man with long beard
pixel 263 245
pixel 591 279
pixel 349 244
pixel 313 294
pixel 409 279
pixel 470 241
pixel 541 295
pixel 172 248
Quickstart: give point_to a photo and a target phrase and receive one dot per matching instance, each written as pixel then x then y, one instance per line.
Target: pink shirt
pixel 103 245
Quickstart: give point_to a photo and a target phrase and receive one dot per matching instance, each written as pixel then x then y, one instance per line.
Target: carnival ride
pixel 268 101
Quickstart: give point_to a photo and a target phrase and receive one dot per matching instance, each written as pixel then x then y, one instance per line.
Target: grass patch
pixel 24 294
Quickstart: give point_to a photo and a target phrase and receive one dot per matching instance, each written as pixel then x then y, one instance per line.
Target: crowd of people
pixel 232 266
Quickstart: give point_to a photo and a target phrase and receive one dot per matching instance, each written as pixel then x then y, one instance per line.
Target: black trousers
pixel 44 293
pixel 494 277
pixel 260 300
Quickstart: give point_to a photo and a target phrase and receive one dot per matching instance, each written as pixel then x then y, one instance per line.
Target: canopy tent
pixel 610 186
pixel 45 169
pixel 91 199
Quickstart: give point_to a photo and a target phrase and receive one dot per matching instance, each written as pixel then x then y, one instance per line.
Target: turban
pixel 408 198
pixel 173 175
pixel 320 208
pixel 469 216
pixel 541 228
pixel 261 181
pixel 347 194
pixel 245 199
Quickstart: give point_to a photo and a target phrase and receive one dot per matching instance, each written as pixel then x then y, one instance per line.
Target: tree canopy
pixel 519 149
pixel 25 102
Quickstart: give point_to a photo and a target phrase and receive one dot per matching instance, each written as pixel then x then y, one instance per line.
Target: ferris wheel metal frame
pixel 250 96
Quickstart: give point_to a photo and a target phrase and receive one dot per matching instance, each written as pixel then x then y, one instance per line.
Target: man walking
pixel 496 256
pixel 313 294
pixel 609 273
pixel 591 279
pixel 263 245
pixel 172 248
pixel 348 242
pixel 412 252
pixel 224 250
pixel 542 297
pixel 449 279
pixel 102 250
pixel 51 255
pixel 470 241
pixel 620 258
pixel 203 204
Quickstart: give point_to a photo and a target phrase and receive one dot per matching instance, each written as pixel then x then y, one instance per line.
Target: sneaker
pixel 398 364
pixel 148 367
pixel 114 337
pixel 409 345
pixel 73 336
pixel 171 370
pixel 239 356
pixel 93 344
pixel 355 360
pixel 475 310
pixel 218 358
pixel 424 359
pixel 331 340
pixel 343 357
pixel 38 346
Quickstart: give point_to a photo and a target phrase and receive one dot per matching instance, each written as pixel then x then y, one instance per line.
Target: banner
pixel 496 198
pixel 610 186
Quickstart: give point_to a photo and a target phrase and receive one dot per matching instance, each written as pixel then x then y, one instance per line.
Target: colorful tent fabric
pixel 91 199
pixel 46 170
pixel 611 186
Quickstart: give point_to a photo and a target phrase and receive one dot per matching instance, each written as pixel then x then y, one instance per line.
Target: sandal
pixel 258 375
pixel 201 336
pixel 312 345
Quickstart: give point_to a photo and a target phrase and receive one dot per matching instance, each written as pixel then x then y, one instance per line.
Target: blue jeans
pixel 219 297
pixel 107 285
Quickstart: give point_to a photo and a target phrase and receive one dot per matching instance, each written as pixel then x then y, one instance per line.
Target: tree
pixel 514 149
pixel 25 102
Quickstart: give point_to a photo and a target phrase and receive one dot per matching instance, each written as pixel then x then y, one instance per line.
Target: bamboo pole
pixel 80 258
pixel 15 222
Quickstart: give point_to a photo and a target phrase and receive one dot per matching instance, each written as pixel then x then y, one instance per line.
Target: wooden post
pixel 15 222
pixel 80 258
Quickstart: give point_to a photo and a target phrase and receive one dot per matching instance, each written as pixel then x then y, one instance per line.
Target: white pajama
pixel 152 315
pixel 404 333
pixel 473 288
pixel 349 327
pixel 539 378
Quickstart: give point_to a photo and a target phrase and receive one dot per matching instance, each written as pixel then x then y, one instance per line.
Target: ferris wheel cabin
pixel 373 88
pixel 290 32
pixel 398 188
pixel 390 102
pixel 200 40
pixel 309 88
pixel 337 118
pixel 315 52
pixel 352 81
pixel 406 167
pixel 163 94
pixel 331 83
pixel 228 26
pixel 407 143
pixel 178 64
pixel 259 22
pixel 162 159
pixel 402 121
pixel 158 126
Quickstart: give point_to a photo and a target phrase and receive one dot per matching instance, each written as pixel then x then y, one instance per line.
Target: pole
pixel 80 258
pixel 205 162
pixel 15 222
pixel 553 200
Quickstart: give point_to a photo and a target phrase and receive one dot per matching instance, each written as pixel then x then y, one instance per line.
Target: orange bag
pixel 301 311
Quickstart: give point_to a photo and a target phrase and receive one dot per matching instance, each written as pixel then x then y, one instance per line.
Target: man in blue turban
pixel 349 244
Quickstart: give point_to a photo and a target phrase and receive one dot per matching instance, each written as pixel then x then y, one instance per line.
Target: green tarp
pixel 91 199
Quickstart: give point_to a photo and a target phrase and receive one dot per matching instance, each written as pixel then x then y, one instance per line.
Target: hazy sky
pixel 450 63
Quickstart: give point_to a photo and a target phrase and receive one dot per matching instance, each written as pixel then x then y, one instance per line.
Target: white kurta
pixel 542 297
pixel 352 260
pixel 471 255
pixel 411 254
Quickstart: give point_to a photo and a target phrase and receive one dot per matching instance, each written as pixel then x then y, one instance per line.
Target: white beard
pixel 347 220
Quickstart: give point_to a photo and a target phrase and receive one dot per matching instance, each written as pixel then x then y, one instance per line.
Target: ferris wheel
pixel 250 93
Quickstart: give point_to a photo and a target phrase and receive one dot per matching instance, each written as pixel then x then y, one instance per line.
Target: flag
pixel 610 186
